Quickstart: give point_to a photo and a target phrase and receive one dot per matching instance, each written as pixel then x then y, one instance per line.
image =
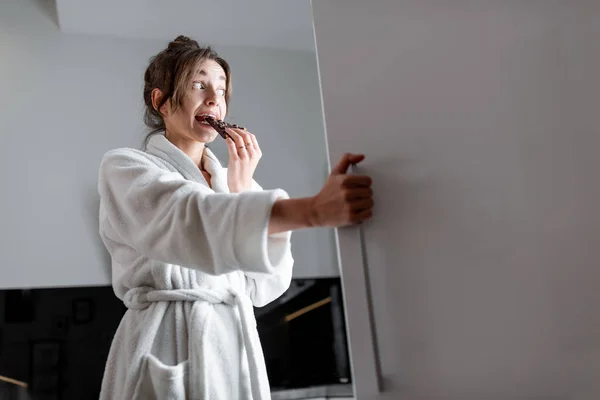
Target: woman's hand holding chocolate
pixel 244 154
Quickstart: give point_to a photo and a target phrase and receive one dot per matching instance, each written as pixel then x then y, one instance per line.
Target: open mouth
pixel 204 118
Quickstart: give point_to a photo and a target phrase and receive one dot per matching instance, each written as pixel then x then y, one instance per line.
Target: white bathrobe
pixel 189 262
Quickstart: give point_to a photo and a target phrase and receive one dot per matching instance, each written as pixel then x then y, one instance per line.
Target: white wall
pixel 482 135
pixel 68 98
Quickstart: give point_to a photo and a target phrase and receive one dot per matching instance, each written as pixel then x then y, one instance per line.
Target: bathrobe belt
pixel 140 297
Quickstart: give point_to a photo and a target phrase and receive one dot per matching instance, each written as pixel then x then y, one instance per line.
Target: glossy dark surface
pixel 56 340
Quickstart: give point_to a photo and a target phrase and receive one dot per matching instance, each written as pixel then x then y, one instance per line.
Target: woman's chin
pixel 206 138
pixel 205 133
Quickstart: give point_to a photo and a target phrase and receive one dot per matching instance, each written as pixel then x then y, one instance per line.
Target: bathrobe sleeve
pixel 165 217
pixel 264 288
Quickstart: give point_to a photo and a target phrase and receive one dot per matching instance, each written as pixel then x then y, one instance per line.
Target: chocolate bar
pixel 221 126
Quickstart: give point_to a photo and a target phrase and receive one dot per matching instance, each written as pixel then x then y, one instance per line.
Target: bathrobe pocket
pixel 163 382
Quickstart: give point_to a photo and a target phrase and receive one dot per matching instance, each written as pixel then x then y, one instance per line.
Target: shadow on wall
pixel 48 8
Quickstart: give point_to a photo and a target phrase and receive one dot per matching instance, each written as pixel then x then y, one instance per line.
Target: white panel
pixel 260 23
pixel 480 124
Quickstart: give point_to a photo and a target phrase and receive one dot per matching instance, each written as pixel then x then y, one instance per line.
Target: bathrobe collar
pixel 160 146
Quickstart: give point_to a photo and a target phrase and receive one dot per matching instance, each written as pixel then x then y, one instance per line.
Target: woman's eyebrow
pixel 203 73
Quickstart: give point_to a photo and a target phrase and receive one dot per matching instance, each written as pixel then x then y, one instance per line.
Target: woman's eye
pixel 198 85
pixel 221 92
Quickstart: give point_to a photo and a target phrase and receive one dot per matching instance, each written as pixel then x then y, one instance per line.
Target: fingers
pixel 356 181
pixel 244 143
pixel 362 216
pixel 360 201
pixel 359 194
pixel 361 205
pixel 255 144
pixel 232 147
pixel 233 143
pixel 345 162
pixel 251 144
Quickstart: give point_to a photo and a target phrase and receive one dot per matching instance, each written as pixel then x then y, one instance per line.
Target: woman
pixel 194 245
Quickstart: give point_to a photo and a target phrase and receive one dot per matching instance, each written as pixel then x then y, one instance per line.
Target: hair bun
pixel 182 42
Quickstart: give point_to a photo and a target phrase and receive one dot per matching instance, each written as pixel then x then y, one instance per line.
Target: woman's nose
pixel 211 98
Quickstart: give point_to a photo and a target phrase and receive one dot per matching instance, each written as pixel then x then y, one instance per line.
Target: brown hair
pixel 170 71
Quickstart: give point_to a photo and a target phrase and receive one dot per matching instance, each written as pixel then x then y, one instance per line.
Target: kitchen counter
pixel 338 392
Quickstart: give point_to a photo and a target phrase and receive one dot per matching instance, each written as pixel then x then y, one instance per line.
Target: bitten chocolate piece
pixel 219 126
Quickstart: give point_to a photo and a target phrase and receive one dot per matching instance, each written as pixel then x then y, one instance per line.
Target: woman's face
pixel 205 95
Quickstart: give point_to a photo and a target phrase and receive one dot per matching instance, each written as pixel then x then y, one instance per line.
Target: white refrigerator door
pixel 480 121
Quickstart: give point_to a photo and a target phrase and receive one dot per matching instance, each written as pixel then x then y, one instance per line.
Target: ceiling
pixel 280 24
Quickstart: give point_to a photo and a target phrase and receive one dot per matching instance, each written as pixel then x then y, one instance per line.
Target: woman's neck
pixel 192 148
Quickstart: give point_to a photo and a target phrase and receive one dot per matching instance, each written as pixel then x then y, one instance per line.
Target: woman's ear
pixel 156 99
